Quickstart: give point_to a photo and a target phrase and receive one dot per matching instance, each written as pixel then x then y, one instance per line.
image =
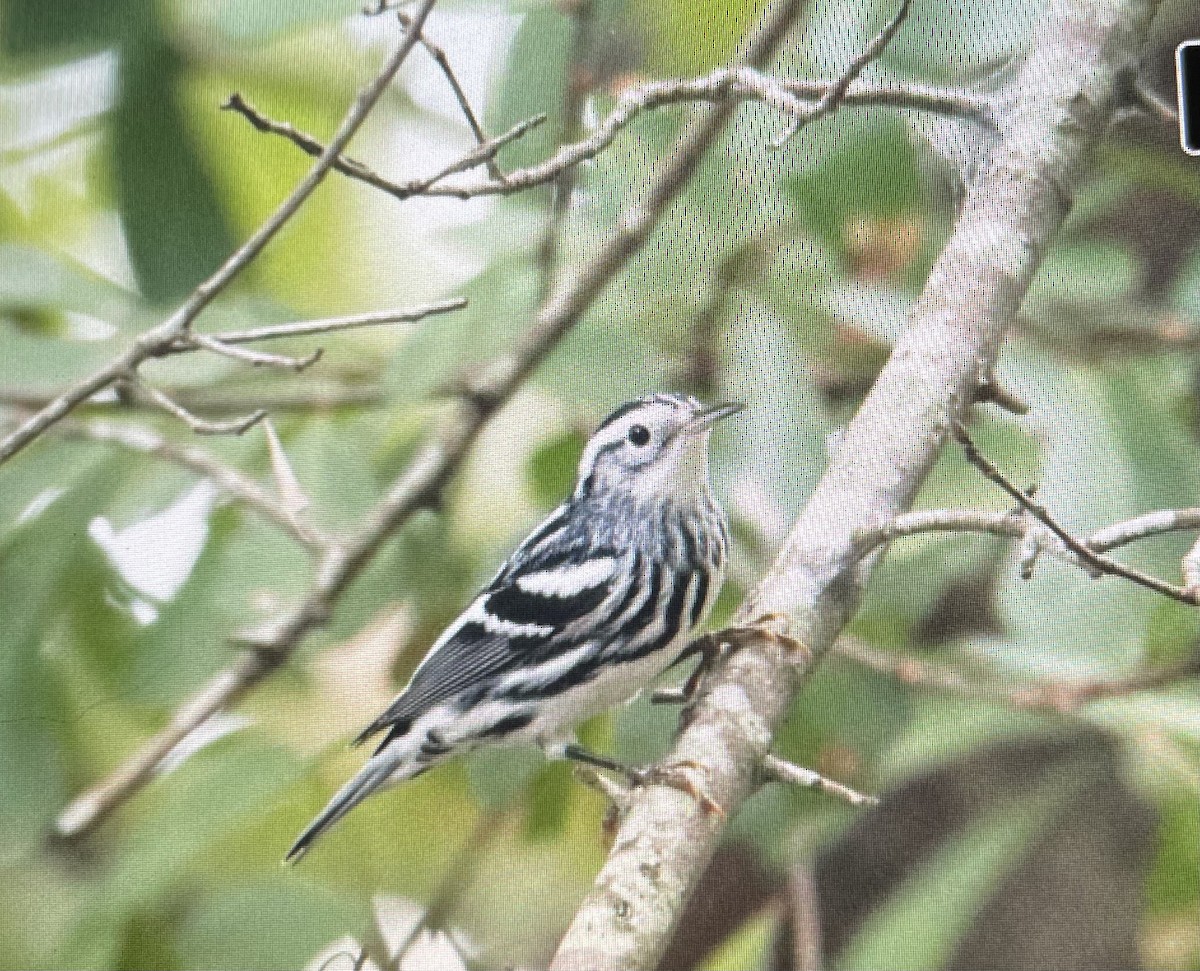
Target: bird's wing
pixel 520 619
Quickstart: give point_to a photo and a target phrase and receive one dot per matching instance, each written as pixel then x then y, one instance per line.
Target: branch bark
pixel 1067 87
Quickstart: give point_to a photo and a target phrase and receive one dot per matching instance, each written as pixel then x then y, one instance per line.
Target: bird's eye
pixel 639 435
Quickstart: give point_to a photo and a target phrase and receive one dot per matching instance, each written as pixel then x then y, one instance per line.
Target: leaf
pixel 261 22
pixel 162 184
pixel 747 947
pixel 920 924
pixel 1028 853
pixel 244 566
pixel 48 26
pixel 267 922
pixel 40 560
pixel 535 81
pixel 777 449
pixel 551 467
pixel 32 279
pixel 287 485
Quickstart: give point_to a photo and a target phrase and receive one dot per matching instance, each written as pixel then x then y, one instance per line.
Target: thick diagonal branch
pixel 1067 86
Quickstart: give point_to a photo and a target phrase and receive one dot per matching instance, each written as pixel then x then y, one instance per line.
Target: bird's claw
pixel 674 774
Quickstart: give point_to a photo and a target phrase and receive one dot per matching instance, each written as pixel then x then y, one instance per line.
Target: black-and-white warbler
pixel 596 603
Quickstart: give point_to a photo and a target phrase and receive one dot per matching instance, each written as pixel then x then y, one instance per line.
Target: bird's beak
pixel 704 420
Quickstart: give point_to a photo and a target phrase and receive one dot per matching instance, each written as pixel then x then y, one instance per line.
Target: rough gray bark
pixel 1065 93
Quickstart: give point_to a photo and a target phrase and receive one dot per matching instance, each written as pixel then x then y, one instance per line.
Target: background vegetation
pixel 779 278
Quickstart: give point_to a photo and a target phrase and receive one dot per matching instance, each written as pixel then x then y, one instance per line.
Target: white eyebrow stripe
pixel 567 581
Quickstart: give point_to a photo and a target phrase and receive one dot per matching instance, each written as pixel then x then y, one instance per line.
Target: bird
pixel 598 601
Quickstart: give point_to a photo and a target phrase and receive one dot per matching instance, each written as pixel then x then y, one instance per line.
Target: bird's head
pixel 653 448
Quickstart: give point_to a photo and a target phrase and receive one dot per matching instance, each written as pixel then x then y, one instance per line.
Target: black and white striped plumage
pixel 597 602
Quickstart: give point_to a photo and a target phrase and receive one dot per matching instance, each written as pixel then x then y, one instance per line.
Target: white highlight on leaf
pixel 156 555
pixel 40 503
pixel 567 581
pixel 216 727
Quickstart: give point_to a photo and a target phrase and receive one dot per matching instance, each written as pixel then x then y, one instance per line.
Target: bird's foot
pixel 673 774
pixel 714 647
pixel 678 775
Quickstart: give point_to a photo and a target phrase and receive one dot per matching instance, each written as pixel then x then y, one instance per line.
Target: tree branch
pixel 228 479
pixel 1062 697
pixel 1097 564
pixel 741 83
pixel 1068 86
pixel 482 394
pixel 161 337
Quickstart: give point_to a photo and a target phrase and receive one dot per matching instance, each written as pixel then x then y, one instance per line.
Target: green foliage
pixel 802 264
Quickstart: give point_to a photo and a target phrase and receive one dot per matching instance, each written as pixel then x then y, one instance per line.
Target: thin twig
pixel 1087 556
pixel 836 92
pixel 1154 105
pixel 443 63
pixel 788 772
pixel 273 400
pixel 725 84
pixel 1016 526
pixel 154 341
pixel 482 154
pixel 201 426
pixel 257 358
pixel 1063 697
pixel 229 480
pixel 326 325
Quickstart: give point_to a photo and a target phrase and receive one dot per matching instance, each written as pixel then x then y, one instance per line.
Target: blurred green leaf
pixel 33 279
pixel 39 560
pixel 535 83
pixel 265 924
pixel 552 467
pixel 872 171
pixel 1025 853
pixel 747 947
pixel 267 21
pixel 49 26
pixel 924 919
pixel 161 179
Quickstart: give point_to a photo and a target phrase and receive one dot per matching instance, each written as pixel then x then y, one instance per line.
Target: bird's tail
pixel 381 770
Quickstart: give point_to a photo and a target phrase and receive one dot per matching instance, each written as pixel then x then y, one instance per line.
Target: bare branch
pixel 774 767
pixel 1010 211
pixel 1097 562
pixel 326 325
pixel 161 337
pixel 258 358
pixel 229 480
pixel 201 426
pixel 725 84
pixel 421 483
pixel 1063 697
pixel 835 94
